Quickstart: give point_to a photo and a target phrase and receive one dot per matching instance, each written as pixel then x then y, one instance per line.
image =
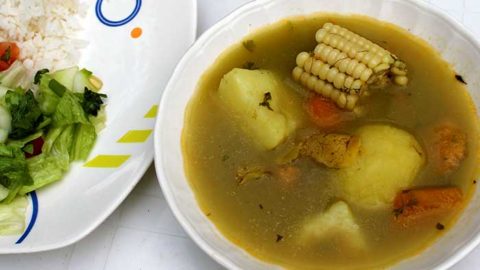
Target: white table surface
pixel 142 233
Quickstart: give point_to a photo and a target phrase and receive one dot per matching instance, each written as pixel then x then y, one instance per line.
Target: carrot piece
pixel 9 53
pixel 324 112
pixel 411 206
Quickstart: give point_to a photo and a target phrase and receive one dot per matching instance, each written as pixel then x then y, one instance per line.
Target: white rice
pixel 45 31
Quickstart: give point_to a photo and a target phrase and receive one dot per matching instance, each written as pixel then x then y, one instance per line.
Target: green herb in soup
pixel 331 142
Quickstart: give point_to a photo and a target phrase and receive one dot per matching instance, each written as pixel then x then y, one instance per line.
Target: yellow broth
pixel 256 215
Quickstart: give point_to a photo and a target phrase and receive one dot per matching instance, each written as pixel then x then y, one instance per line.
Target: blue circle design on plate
pixel 107 22
pixel 33 195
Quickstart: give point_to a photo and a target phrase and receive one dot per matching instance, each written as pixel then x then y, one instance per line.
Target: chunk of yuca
pixel 332 150
pixel 261 105
pixel 388 162
pixel 344 64
pixel 335 224
pixel 416 205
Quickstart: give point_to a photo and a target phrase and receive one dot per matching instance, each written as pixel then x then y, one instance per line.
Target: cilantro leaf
pixel 267 97
pixel 26 114
pixel 92 102
pixel 38 75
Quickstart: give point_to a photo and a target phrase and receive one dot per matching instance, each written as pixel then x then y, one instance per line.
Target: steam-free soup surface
pixel 267 215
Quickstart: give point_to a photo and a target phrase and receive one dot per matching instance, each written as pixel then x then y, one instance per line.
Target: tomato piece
pixel 36 145
pixel 9 53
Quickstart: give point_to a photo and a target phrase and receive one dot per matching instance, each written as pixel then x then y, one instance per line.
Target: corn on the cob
pixel 359 41
pixel 341 61
pixel 344 99
pixel 331 74
pixel 344 64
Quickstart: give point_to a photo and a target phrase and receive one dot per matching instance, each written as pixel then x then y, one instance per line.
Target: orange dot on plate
pixel 136 32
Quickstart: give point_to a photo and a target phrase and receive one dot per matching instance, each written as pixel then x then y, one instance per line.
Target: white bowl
pixel 456 45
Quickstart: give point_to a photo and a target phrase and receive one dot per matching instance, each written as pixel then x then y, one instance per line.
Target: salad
pixel 46 123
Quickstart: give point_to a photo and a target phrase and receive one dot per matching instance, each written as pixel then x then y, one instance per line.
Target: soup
pixel 308 163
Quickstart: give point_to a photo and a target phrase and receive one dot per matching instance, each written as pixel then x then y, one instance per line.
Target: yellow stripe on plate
pixel 152 112
pixel 135 136
pixel 107 161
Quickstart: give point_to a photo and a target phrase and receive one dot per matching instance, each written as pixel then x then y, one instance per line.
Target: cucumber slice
pixel 66 76
pixel 85 78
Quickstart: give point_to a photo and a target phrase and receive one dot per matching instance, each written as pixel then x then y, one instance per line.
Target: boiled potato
pixel 261 104
pixel 389 160
pixel 335 224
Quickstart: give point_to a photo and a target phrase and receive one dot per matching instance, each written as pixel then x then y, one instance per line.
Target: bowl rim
pixel 218 256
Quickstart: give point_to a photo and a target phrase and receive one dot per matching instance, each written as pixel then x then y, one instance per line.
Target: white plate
pixel 450 38
pixel 134 72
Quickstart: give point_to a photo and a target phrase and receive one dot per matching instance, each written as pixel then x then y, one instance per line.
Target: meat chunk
pixel 412 206
pixel 450 146
pixel 332 150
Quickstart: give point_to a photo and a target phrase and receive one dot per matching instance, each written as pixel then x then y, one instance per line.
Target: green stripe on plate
pixel 107 161
pixel 135 136
pixel 152 112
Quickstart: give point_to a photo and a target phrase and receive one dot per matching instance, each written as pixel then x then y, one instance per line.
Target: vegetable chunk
pixel 343 65
pixel 388 162
pixel 262 106
pixel 12 216
pixel 450 148
pixel 336 224
pixel 325 114
pixel 411 206
pixel 332 150
pixel 9 53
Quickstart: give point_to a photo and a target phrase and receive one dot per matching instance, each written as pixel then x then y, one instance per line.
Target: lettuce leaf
pixel 3 192
pixel 22 142
pixel 13 171
pixel 12 216
pixel 84 141
pixel 50 166
pixel 69 111
pixel 47 99
pixel 63 144
pixel 99 121
pixel 45 169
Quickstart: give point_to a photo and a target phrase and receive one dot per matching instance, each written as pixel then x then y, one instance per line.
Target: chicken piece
pixel 450 148
pixel 335 224
pixel 412 206
pixel 332 150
